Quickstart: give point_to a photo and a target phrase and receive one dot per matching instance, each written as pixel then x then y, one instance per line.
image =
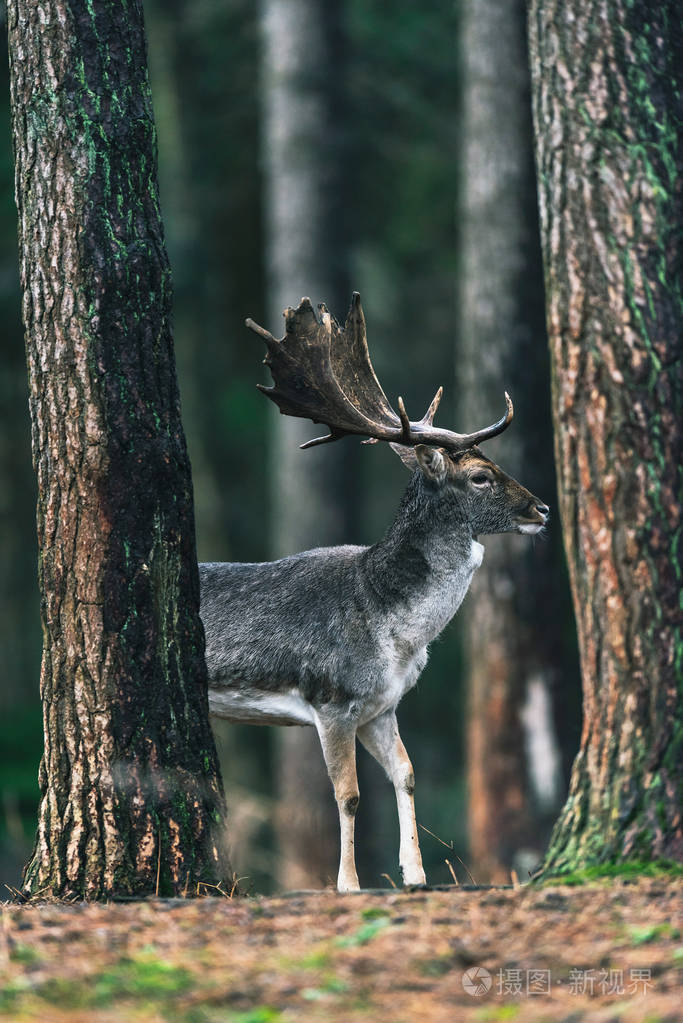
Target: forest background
pixel 416 188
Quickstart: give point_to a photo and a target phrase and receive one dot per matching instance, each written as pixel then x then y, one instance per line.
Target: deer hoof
pixel 344 886
pixel 413 876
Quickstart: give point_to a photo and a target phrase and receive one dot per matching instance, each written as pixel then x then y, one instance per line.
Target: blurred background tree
pixel 398 118
pixel 522 698
pixel 305 135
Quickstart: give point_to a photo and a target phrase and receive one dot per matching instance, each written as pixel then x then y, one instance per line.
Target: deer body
pixel 335 637
pixel 337 627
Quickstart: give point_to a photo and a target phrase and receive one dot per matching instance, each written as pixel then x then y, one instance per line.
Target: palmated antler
pixel 323 373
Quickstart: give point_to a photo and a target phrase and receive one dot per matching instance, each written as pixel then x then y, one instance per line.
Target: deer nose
pixel 542 508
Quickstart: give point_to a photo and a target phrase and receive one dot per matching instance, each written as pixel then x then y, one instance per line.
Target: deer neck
pixel 423 566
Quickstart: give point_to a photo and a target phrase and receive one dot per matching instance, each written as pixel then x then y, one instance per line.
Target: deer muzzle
pixel 535 518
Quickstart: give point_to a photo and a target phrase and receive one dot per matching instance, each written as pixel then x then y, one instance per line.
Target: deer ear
pixel 406 454
pixel 432 462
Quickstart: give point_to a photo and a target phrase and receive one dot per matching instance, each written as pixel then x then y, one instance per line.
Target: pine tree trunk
pixel 131 794
pixel 607 83
pixel 305 255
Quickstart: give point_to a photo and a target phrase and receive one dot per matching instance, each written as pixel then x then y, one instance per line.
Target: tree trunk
pixel 131 794
pixel 306 254
pixel 607 81
pixel 514 619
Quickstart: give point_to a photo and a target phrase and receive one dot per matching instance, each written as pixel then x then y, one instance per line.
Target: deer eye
pixel 480 479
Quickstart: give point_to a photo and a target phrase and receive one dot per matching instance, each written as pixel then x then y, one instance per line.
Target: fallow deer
pixel 333 638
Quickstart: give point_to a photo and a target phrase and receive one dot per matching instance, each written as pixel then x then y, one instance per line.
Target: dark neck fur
pixel 428 537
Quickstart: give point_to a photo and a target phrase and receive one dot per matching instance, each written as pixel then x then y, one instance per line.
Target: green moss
pixel 364 934
pixel 498 1013
pixel 260 1014
pixel 375 913
pixel 65 994
pixel 654 932
pixel 11 994
pixel 143 978
pixel 25 954
pixel 609 871
pixel 331 986
pixel 314 961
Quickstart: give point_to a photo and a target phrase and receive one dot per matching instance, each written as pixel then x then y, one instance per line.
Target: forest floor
pixel 605 951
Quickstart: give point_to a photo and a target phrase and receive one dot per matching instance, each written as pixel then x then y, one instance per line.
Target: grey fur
pixel 334 637
pixel 319 621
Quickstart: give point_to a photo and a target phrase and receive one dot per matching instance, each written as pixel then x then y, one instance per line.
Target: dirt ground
pixel 608 951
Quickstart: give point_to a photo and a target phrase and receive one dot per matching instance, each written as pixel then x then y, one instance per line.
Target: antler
pixel 323 373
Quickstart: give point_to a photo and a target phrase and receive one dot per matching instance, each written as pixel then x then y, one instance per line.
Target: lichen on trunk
pixel 607 87
pixel 131 793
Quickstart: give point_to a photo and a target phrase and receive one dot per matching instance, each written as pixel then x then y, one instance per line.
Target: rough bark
pixel 518 667
pixel 305 255
pixel 131 794
pixel 607 84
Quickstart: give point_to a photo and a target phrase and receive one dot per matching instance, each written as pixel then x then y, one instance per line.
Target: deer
pixel 333 638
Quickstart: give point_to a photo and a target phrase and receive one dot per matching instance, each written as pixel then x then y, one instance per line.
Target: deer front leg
pixel 339 749
pixel 380 738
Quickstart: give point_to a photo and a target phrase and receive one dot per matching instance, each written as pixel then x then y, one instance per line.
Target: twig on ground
pixel 156 891
pixel 450 867
pixel 469 872
pixel 235 884
pixel 16 894
pixel 449 845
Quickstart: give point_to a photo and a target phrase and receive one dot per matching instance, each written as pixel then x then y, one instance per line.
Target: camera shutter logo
pixel 476 981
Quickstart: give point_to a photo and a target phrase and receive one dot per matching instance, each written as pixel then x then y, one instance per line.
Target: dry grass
pixel 395 956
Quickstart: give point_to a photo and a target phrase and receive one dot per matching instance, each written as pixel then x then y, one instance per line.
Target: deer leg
pixel 339 749
pixel 380 738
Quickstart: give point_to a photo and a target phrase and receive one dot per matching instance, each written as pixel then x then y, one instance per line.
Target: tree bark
pixel 607 84
pixel 306 254
pixel 519 667
pixel 131 793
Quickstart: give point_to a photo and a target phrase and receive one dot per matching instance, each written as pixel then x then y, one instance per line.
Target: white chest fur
pixel 434 607
pixel 410 631
pixel 476 555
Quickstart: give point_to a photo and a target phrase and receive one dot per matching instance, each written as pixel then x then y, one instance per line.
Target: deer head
pixel 324 373
pixel 482 494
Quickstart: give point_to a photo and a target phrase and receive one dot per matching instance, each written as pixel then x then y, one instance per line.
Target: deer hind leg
pixel 339 749
pixel 380 738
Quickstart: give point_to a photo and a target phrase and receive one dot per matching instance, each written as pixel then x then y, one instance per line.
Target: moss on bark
pixel 607 94
pixel 129 779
